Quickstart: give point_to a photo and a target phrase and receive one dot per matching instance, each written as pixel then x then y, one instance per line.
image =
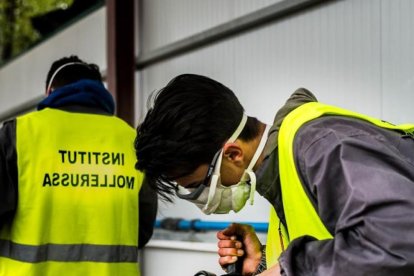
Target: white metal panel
pixel 211 61
pixel 24 78
pixel 179 258
pixel 332 50
pixel 242 7
pixel 398 60
pixel 164 22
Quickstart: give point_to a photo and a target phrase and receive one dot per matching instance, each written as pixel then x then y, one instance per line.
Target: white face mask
pixel 220 199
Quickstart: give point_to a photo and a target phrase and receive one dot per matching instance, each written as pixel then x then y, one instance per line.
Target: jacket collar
pixel 87 93
pixel 268 178
pixel 298 98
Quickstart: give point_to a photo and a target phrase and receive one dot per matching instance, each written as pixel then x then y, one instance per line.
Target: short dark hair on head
pixel 72 73
pixel 191 118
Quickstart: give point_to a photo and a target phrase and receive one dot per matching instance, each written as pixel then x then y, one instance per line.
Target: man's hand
pixel 239 240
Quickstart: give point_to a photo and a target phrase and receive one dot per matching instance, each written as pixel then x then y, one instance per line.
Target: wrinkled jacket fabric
pixel 360 179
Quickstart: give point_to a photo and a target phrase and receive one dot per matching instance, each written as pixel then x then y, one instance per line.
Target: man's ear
pixel 233 153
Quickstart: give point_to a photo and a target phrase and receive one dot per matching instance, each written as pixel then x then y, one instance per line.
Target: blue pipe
pixel 177 224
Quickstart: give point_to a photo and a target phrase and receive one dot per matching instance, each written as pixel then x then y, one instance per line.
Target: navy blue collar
pixel 85 92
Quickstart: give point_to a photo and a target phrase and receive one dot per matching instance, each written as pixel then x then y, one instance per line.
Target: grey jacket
pixel 360 179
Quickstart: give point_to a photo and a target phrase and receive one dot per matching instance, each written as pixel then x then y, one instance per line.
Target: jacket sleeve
pixel 363 189
pixel 8 170
pixel 148 204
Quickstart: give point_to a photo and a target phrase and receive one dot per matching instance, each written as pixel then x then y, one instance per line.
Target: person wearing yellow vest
pixel 71 201
pixel 341 184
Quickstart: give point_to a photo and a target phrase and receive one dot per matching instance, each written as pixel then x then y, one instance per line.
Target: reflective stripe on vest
pixel 68 252
pixel 301 217
pixel 78 197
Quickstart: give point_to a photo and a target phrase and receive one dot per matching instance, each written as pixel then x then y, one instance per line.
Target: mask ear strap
pixel 259 149
pixel 249 171
pixel 238 130
pixel 49 86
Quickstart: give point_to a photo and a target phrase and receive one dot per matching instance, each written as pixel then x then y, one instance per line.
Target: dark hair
pixel 72 73
pixel 191 119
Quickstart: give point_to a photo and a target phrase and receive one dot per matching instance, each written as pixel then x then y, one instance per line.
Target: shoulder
pixel 330 131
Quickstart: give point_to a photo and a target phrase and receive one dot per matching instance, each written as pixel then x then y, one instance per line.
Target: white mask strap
pixel 255 157
pixel 238 130
pixel 252 176
pixel 49 86
pixel 259 149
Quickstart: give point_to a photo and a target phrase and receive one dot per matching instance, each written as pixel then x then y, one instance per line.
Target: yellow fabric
pixel 301 217
pixel 91 199
pixel 274 241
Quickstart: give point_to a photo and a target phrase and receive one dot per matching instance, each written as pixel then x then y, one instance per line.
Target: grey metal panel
pixel 225 30
pixel 397 59
pixel 244 7
pixel 332 49
pixel 164 22
pixel 12 112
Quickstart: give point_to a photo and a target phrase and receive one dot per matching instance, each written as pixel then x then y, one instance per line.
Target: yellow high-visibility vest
pixel 77 210
pixel 301 217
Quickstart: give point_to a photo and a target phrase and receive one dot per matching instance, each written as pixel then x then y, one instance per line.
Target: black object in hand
pixel 235 269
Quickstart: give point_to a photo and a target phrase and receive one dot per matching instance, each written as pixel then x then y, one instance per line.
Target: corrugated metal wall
pixel 353 53
pixel 165 22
